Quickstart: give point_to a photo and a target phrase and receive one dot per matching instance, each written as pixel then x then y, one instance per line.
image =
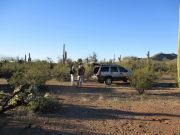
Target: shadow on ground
pixel 118 91
pixel 166 95
pixel 164 85
pixel 92 113
pixel 8 126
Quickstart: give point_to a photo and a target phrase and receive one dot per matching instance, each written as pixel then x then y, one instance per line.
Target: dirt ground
pixel 97 109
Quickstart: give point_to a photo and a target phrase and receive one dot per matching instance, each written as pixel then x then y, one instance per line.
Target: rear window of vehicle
pixel 114 69
pixel 121 69
pixel 96 69
pixel 104 69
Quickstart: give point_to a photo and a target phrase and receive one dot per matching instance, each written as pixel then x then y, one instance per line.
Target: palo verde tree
pixel 178 59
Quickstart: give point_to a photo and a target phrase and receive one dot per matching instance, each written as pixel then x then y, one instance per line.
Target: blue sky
pixel 107 27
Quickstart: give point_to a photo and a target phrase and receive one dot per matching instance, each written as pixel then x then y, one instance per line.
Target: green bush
pixel 7 69
pixel 61 72
pixel 46 104
pixel 159 67
pixel 88 71
pixel 35 73
pixel 26 78
pixel 133 63
pixel 142 79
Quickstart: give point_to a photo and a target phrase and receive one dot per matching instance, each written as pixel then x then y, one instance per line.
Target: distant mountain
pixel 163 56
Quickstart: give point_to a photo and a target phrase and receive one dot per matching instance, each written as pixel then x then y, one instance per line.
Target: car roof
pixel 109 65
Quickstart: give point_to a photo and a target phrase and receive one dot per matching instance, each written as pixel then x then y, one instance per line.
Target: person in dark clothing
pixel 72 73
pixel 81 71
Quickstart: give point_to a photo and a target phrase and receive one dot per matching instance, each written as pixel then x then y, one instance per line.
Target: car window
pixel 104 69
pixel 121 69
pixel 114 69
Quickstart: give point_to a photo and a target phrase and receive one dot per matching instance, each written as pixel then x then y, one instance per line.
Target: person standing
pixel 72 73
pixel 81 71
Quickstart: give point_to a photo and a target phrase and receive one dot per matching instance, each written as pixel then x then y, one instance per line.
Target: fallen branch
pixel 6 107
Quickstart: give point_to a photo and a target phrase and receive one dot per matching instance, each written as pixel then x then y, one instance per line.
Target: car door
pixel 114 72
pixel 104 71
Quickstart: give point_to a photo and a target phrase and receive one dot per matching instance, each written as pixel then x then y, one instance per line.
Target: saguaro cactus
pixel 119 58
pixel 29 59
pixel 149 61
pixel 25 59
pixel 64 54
pixel 178 59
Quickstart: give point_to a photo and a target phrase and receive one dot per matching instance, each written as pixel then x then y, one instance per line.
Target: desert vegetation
pixel 26 79
pixel 36 73
pixel 30 89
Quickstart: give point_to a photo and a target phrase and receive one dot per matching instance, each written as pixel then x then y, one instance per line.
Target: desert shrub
pixel 159 67
pixel 29 96
pixel 17 79
pixel 25 78
pixel 88 71
pixel 61 72
pixel 133 63
pixel 7 69
pixel 165 66
pixel 46 104
pixel 142 79
pixel 35 73
pixel 172 66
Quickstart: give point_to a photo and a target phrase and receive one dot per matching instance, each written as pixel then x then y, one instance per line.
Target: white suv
pixel 109 73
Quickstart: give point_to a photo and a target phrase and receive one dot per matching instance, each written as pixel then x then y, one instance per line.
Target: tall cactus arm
pixel 178 59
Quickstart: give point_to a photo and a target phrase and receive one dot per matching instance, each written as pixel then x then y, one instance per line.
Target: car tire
pixel 108 81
